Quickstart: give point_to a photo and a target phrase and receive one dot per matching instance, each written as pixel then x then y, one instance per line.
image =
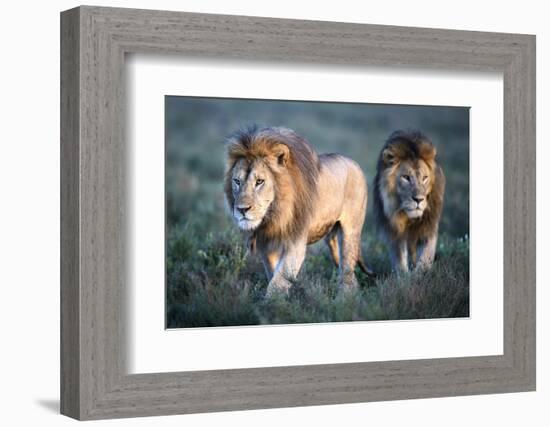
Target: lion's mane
pixel 408 146
pixel 296 184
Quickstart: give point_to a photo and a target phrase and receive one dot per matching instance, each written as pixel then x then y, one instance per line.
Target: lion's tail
pixel 363 266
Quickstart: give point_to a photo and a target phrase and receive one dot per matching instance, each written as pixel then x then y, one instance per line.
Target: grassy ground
pixel 213 281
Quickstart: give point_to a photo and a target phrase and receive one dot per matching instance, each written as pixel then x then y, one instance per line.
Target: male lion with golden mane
pixel 284 196
pixel 408 199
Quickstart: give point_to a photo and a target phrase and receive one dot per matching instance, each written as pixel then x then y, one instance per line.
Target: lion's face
pixel 409 187
pixel 270 183
pixel 253 191
pixel 413 183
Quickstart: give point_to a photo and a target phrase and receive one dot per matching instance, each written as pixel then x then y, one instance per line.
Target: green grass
pixel 212 281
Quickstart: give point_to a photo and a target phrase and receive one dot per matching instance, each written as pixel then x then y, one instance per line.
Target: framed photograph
pixel 213 279
pixel 261 213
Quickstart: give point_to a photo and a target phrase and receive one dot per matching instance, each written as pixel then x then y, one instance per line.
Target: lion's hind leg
pixel 350 248
pixel 331 240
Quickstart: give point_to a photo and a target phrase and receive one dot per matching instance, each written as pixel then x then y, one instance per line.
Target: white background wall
pixel 29 212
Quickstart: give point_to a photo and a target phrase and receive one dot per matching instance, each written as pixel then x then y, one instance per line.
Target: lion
pixel 283 196
pixel 408 199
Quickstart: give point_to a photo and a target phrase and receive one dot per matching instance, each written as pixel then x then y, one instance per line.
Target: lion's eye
pixel 425 178
pixel 406 178
pixel 236 181
pixel 259 182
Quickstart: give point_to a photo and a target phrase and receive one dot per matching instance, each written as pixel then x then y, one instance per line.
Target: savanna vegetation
pixel 211 279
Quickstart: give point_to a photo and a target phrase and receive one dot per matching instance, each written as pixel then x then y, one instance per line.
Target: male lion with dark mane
pixel 408 199
pixel 284 196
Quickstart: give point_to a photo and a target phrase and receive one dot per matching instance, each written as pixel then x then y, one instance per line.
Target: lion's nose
pixel 418 199
pixel 243 209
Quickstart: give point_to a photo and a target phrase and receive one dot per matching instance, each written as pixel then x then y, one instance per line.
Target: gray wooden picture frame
pixel 94 41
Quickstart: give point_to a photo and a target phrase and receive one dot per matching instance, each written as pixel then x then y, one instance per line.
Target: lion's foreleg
pixel 399 256
pixel 427 253
pixel 412 246
pixel 287 268
pixel 270 259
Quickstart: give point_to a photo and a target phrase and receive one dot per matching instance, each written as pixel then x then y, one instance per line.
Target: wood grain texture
pixel 94 272
pixel 70 221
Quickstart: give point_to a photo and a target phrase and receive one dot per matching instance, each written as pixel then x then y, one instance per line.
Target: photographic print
pixel 286 212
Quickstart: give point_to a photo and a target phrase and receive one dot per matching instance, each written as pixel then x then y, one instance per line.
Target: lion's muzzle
pixel 245 218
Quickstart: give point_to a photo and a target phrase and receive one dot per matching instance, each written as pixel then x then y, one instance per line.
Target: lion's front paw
pixel 423 265
pixel 348 282
pixel 278 285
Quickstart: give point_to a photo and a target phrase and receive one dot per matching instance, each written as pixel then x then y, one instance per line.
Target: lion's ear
pixel 427 151
pixel 281 154
pixel 388 157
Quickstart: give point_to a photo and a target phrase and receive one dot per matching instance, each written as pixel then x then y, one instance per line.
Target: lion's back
pixel 342 172
pixel 342 189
